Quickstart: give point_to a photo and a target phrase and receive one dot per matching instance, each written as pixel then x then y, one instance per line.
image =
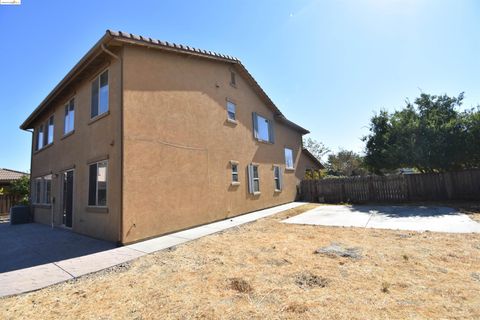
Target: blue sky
pixel 328 65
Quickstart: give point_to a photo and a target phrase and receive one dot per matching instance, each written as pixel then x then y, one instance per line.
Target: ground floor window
pixel 277 177
pixel 234 166
pixel 97 187
pixel 43 190
pixel 253 178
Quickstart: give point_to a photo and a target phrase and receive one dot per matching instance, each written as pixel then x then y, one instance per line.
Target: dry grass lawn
pixel 268 270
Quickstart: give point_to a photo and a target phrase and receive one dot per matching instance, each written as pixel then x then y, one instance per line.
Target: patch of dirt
pixel 339 250
pixel 240 285
pixel 308 280
pixel 296 308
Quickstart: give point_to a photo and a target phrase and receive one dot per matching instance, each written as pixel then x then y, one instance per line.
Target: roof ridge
pixel 11 170
pixel 132 36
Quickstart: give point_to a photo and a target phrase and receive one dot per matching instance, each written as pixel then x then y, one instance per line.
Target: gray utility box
pixel 20 214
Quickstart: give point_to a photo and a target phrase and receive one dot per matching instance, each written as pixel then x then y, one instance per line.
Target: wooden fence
pixel 459 185
pixel 6 202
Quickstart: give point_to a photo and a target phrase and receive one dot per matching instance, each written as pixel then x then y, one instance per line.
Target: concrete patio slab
pixel 413 218
pixel 36 256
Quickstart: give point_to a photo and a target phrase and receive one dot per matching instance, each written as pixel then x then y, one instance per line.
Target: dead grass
pixel 252 272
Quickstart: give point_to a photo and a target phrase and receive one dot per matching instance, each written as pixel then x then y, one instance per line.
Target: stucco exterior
pixel 92 140
pixel 168 143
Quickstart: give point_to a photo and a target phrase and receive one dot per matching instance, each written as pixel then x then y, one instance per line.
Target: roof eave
pixel 313 158
pixel 58 88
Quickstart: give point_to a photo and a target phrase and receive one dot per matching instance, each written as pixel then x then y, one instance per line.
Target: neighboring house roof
pixel 7 175
pixel 128 38
pixel 313 158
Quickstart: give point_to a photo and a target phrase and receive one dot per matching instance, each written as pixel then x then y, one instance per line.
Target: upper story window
pixel 263 128
pixel 253 179
pixel 69 120
pixel 97 187
pixel 39 144
pixel 289 158
pixel 44 134
pixel 49 131
pixel 99 95
pixel 231 111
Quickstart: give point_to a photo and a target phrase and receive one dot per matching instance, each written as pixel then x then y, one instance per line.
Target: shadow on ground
pixel 405 211
pixel 28 245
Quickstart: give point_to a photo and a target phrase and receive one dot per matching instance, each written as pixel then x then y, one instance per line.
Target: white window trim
pixel 39 143
pixel 271 131
pixel 229 101
pixel 42 191
pixel 43 142
pixel 47 131
pixel 251 179
pixel 232 173
pixel 96 205
pixel 98 115
pixel 280 178
pixel 292 168
pixel 66 117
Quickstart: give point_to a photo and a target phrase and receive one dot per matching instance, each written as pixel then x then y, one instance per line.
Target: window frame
pixel 49 135
pixel 69 113
pixel 97 81
pixel 96 164
pixel 277 179
pixel 45 133
pixel 285 156
pixel 234 173
pixel 43 190
pixel 252 178
pixel 232 103
pixel 40 139
pixel 256 133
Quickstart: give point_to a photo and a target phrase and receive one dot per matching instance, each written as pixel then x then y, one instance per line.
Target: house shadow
pixel 29 245
pixel 404 211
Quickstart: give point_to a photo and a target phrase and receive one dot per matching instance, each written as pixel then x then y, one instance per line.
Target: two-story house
pixel 144 137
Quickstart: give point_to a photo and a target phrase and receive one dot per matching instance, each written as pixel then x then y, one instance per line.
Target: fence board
pixel 6 202
pixel 459 185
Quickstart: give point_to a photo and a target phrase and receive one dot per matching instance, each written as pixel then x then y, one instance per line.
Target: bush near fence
pixel 458 185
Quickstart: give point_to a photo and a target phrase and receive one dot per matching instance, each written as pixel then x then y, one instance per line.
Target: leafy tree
pixel 345 163
pixel 20 189
pixel 316 148
pixel 430 135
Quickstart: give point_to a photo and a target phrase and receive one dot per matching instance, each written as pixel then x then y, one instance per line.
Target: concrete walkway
pixel 414 218
pixel 34 256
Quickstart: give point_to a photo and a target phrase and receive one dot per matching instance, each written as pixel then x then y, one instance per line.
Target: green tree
pixel 345 163
pixel 316 148
pixel 20 189
pixel 430 135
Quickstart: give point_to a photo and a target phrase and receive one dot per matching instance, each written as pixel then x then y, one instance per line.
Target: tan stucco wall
pixel 178 145
pixel 90 141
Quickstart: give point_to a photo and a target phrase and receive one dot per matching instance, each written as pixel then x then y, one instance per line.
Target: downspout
pixel 120 228
pixel 30 184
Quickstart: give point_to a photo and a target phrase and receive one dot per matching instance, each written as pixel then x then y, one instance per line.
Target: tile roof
pixel 129 38
pixel 126 35
pixel 10 175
